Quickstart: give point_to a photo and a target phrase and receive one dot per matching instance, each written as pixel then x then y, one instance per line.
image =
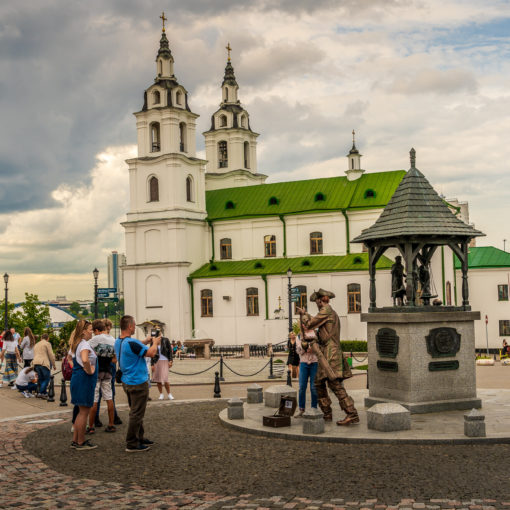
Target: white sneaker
pixel 25 394
pixel 161 396
pixel 170 397
pixel 13 388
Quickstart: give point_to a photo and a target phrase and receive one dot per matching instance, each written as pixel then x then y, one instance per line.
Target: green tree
pixel 75 308
pixel 10 309
pixel 34 315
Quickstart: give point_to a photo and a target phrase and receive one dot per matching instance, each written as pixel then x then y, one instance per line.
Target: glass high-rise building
pixel 115 262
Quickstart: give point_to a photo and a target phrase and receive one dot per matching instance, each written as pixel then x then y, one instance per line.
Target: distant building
pixel 115 278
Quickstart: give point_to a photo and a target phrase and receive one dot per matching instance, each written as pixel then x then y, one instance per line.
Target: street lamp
pixel 289 276
pixel 96 274
pixel 6 322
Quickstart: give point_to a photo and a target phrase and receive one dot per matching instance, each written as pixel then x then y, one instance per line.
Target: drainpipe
pixel 443 273
pixel 212 239
pixel 264 277
pixel 282 219
pixel 347 234
pixel 192 297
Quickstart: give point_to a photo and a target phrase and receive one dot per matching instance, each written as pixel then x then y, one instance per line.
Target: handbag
pixel 118 374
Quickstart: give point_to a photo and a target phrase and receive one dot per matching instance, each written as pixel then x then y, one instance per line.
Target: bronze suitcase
pixel 282 417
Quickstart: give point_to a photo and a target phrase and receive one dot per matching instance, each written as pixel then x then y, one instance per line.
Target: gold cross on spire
pixel 163 19
pixel 229 49
pixel 353 133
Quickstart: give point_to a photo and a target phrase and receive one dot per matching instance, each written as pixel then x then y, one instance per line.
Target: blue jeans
pixel 43 375
pixel 30 387
pixel 307 371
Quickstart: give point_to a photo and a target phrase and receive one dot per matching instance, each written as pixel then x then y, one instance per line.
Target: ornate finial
pixel 229 49
pixel 163 19
pixel 412 155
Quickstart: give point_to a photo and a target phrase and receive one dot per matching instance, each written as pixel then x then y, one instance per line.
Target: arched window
pixel 352 164
pixel 270 246
pixel 226 94
pixel 160 68
pixel 223 121
pixel 354 298
pixel 155 138
pixel 222 154
pixel 315 243
pixel 189 189
pixel 182 137
pixel 206 303
pixel 246 155
pixel 153 189
pixel 243 121
pixel 302 299
pixel 178 97
pixel 448 294
pixel 156 97
pixel 226 248
pixel 252 301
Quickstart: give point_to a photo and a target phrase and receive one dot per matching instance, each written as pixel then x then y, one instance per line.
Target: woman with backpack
pixel 27 347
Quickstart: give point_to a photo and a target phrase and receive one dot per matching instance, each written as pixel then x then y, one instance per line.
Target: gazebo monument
pixel 421 356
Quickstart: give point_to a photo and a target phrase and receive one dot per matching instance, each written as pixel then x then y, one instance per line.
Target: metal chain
pixel 359 360
pixel 246 375
pixel 196 373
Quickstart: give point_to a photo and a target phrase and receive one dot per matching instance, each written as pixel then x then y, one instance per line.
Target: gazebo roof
pixel 416 210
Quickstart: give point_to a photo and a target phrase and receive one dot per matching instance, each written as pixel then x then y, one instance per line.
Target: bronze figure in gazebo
pixel 416 221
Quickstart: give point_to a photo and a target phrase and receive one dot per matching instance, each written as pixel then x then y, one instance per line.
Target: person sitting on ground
pixel 26 382
pixel 11 355
pixel 103 346
pixel 163 364
pixel 44 360
pixel 180 350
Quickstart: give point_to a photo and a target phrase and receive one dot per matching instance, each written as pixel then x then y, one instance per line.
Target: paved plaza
pixel 199 463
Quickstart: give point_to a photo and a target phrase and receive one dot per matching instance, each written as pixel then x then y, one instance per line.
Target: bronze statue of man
pixel 328 324
pixel 398 290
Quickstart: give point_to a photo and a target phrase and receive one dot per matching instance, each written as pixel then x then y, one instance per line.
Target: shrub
pixel 354 345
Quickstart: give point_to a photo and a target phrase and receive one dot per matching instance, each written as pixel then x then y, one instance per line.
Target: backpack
pixel 67 370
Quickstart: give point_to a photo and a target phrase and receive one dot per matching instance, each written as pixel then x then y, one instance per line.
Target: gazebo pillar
pixel 464 267
pixel 371 272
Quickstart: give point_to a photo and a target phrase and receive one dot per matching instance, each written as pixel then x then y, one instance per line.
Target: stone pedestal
pixel 474 424
pixel 313 422
pixel 423 359
pixel 273 395
pixel 201 347
pixel 254 394
pixel 388 418
pixel 235 409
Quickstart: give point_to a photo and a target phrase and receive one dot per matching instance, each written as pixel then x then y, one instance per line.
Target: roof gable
pixel 486 256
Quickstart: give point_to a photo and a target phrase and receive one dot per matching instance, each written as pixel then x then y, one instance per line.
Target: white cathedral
pixel 210 246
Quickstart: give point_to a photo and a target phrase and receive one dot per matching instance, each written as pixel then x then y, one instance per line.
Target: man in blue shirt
pixel 131 354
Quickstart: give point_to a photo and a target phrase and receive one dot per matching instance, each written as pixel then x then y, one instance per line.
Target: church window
pixel 182 137
pixel 155 138
pixel 243 121
pixel 225 248
pixel 153 189
pixel 246 155
pixel 160 67
pixel 315 243
pixel 369 193
pixel 226 94
pixel 302 298
pixel 189 189
pixel 223 121
pixel 222 154
pixel 157 97
pixel 503 292
pixel 273 201
pixel 252 301
pixel 354 298
pixel 206 303
pixel 178 97
pixel 270 246
pixel 320 197
pixel 352 164
pixel 230 205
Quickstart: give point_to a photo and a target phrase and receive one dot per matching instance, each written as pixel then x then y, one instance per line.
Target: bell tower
pixel 354 157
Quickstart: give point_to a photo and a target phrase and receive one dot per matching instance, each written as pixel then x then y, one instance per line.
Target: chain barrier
pixel 359 360
pixel 196 373
pixel 246 375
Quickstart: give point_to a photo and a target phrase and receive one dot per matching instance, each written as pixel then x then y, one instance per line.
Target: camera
pixel 155 333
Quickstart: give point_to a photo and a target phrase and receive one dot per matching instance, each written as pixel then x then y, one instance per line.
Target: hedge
pixel 353 345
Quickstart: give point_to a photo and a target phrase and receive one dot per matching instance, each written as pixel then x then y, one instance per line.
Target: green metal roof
pixel 299 265
pixel 294 197
pixel 485 256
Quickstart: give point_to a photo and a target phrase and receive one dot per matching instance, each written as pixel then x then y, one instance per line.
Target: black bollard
pixel 217 390
pixel 289 379
pixel 63 394
pixel 221 368
pixel 51 389
pixel 271 375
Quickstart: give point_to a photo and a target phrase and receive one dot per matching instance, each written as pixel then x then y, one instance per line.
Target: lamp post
pixel 106 310
pixel 289 276
pixel 6 321
pixel 96 274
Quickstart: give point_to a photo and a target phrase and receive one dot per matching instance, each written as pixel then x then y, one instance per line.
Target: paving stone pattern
pixel 194 439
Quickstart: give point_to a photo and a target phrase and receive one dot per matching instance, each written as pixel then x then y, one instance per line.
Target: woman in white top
pixel 27 381
pixel 83 381
pixel 11 355
pixel 27 346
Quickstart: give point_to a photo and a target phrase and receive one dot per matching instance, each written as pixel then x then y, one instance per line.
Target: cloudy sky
pixel 428 74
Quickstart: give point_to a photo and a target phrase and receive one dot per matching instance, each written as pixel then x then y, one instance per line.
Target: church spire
pixel 164 58
pixel 354 158
pixel 353 150
pixel 229 85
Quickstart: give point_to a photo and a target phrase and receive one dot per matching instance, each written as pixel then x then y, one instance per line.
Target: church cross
pixel 163 19
pixel 229 49
pixel 353 133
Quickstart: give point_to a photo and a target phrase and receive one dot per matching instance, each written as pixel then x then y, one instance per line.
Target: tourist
pixel 83 382
pixel 163 364
pixel 505 351
pixel 130 353
pixel 180 350
pixel 307 369
pixel 11 355
pixel 293 358
pixel 103 346
pixel 26 382
pixel 27 347
pixel 44 361
pixel 16 336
